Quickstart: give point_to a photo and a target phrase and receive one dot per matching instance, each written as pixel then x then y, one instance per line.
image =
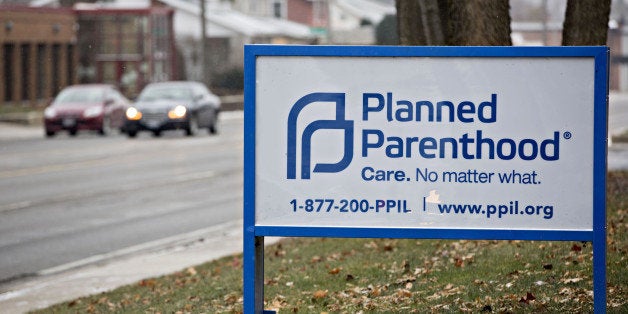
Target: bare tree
pixel 586 22
pixel 453 22
pixel 419 22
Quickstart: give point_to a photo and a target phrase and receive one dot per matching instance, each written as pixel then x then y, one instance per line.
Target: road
pixel 70 198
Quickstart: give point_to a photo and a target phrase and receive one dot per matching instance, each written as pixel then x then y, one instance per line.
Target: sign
pixel 426 142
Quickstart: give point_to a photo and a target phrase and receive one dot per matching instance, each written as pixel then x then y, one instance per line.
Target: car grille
pixel 153 115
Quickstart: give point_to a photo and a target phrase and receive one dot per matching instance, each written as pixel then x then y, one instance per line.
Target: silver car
pixel 177 105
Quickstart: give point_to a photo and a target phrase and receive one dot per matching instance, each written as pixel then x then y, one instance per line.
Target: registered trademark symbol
pixel 567 135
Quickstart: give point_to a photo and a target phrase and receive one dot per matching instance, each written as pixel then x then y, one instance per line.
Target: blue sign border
pixel 254 235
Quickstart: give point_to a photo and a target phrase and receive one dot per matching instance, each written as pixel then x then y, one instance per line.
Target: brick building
pixel 126 46
pixel 38 55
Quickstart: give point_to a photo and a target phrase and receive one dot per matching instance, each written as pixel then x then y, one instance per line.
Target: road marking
pixel 56 167
pixel 218 230
pixel 193 176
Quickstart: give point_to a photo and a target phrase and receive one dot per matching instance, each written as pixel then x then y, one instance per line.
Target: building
pixel 353 22
pixel 133 42
pixel 126 46
pixel 350 22
pixel 39 53
pixel 228 30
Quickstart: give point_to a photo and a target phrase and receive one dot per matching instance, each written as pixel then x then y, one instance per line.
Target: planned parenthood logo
pixel 339 123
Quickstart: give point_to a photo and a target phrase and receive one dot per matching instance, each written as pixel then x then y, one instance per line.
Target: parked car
pixel 182 105
pixel 93 107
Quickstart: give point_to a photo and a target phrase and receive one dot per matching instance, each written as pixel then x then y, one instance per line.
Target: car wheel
pixel 50 133
pixel 106 126
pixel 156 133
pixel 192 127
pixel 73 132
pixel 131 134
pixel 213 127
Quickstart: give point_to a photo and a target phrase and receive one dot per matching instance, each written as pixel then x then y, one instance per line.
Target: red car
pixel 91 107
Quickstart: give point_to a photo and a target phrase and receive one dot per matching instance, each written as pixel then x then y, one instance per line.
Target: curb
pixel 127 266
pixel 25 118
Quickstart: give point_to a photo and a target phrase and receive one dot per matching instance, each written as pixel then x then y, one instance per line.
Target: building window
pixel 25 55
pixel 70 63
pixel 41 71
pixel 55 68
pixel 7 54
pixel 277 9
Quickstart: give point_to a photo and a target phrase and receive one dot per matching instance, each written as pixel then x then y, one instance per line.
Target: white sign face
pixel 424 142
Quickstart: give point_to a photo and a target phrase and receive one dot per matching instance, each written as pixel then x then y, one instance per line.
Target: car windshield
pixel 166 92
pixel 87 96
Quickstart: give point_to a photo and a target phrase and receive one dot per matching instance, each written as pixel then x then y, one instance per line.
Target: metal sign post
pixel 505 143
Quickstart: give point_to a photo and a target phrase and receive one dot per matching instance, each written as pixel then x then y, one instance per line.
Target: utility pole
pixel 204 50
pixel 545 17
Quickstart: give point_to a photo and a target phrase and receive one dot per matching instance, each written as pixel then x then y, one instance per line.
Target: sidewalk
pixel 128 266
pixel 618 116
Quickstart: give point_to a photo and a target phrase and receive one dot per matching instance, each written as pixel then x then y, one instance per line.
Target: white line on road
pixel 186 238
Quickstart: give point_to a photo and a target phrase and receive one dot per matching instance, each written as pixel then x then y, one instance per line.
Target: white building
pixel 335 21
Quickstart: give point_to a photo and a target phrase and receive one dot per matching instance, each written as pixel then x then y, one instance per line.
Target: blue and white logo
pixel 340 123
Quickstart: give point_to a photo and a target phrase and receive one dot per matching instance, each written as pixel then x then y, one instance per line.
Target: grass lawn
pixel 325 275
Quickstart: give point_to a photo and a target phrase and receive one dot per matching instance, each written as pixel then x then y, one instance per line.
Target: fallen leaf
pixel 403 293
pixel 572 280
pixel 147 283
pixel 529 297
pixel 576 248
pixel 458 262
pixel 319 294
pixel 335 271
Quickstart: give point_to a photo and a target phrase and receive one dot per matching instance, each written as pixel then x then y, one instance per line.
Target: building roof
pixel 371 10
pixel 43 3
pixel 237 22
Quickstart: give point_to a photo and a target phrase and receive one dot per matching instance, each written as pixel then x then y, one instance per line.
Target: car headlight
pixel 92 112
pixel 177 113
pixel 133 114
pixel 50 113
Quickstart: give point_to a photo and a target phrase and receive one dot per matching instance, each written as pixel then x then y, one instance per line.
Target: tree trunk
pixel 586 22
pixel 454 22
pixel 412 30
pixel 477 22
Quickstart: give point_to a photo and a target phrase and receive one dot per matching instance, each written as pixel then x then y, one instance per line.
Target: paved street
pixel 66 199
